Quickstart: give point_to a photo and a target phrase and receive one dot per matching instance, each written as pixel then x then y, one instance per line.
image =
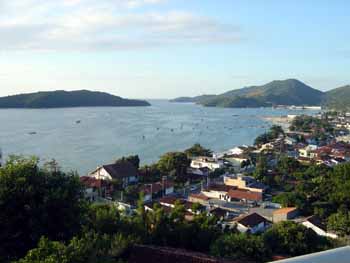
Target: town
pixel 247 188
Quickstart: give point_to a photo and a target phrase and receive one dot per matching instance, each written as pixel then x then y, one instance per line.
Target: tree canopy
pixel 35 202
pixel 198 150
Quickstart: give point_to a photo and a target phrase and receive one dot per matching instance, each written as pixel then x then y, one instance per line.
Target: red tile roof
pixel 285 210
pixel 156 187
pixel 200 196
pixel 245 194
pixel 91 182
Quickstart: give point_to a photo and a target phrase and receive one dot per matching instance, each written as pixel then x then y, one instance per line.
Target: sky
pixel 170 48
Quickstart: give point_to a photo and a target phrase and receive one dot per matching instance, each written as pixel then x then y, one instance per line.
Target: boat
pixel 32 133
pixel 78 122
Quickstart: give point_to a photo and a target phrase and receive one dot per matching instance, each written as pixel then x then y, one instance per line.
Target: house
pixel 198 172
pixel 283 214
pixel 124 171
pixel 236 160
pixel 244 182
pixel 239 150
pixel 168 209
pixel 267 147
pixel 95 188
pixel 211 163
pixel 316 225
pixel 243 195
pixel 290 141
pixel 220 213
pixel 168 203
pixel 308 152
pixel 198 198
pixel 252 223
pixel 157 189
pixel 217 191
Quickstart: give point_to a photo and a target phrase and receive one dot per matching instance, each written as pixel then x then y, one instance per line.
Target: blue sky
pixel 169 48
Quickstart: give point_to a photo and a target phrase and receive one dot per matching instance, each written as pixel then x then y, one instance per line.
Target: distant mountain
pixel 278 92
pixel 338 99
pixel 193 99
pixel 63 99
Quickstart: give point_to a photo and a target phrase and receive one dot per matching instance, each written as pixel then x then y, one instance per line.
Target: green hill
pixel 338 99
pixel 62 99
pixel 278 92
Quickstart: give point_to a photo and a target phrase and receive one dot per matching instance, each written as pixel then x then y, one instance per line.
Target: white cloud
pixel 96 24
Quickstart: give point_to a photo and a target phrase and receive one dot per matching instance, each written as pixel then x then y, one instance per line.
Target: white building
pixel 252 223
pixel 316 225
pixel 211 163
pixel 124 171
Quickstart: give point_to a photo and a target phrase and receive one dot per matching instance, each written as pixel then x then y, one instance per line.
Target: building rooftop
pixel 245 194
pixel 284 210
pixel 338 255
pixel 251 220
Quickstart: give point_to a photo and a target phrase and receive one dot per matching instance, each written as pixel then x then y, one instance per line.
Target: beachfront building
pixel 211 163
pixel 124 171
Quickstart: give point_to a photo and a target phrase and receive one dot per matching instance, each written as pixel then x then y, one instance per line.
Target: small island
pixel 67 99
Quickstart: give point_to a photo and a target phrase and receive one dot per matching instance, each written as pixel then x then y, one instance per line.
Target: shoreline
pixel 283 121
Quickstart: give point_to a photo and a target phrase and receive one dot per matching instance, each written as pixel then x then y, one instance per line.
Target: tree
pixel 174 161
pixel 35 202
pixel 340 223
pixel 240 247
pixel 133 159
pixel 198 150
pixel 91 247
pixel 287 165
pixel 261 170
pixel 276 131
pixel 293 239
pixel 273 133
pixel 150 173
pixel 290 199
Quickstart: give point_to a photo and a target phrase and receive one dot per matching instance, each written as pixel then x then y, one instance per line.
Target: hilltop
pixel 64 99
pixel 277 92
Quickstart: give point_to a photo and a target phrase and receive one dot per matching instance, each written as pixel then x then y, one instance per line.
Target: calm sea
pixel 105 134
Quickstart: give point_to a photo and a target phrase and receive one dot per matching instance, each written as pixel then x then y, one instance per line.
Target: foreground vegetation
pixel 45 218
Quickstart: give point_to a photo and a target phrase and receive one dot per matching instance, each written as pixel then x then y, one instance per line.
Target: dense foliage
pixel 293 239
pixel 198 150
pixel 35 202
pixel 45 219
pixel 235 246
pixel 274 132
pixel 305 123
pixel 175 164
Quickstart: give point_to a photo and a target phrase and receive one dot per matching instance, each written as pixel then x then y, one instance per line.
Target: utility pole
pixel 151 192
pixel 164 179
